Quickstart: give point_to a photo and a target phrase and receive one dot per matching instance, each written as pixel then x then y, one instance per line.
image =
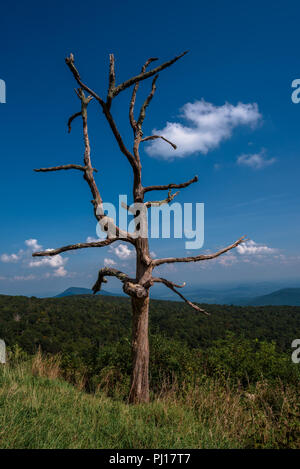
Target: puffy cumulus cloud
pixel 57 263
pixel 109 262
pixel 252 248
pixel 10 257
pixel 33 244
pixel 248 252
pixel 122 251
pixel 207 126
pixel 60 272
pixel 255 160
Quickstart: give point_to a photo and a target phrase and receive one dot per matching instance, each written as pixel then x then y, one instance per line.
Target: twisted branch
pixel 109 272
pixel 169 260
pixel 144 75
pixel 65 166
pixel 77 114
pixel 173 287
pixel 158 203
pixel 154 137
pixel 170 186
pixel 72 247
pixel 70 62
pixel 146 103
pixel 130 285
pixel 134 92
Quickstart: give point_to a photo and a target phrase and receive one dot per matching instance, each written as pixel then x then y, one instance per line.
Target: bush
pixel 247 361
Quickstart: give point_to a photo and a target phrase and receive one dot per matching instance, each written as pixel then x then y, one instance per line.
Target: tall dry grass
pixel 38 408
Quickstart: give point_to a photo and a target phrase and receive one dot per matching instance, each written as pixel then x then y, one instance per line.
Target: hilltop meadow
pixel 223 381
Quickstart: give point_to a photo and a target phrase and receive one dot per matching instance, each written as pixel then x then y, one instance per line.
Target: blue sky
pixel 243 58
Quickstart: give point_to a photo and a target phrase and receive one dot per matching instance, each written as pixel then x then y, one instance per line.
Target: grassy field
pixel 38 409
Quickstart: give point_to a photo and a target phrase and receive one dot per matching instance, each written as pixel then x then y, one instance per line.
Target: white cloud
pixel 208 125
pixel 122 251
pixel 109 262
pixel 228 259
pixel 90 239
pixel 60 272
pixel 23 277
pixel 55 261
pixel 33 244
pixel 248 252
pixel 255 160
pixel 153 254
pixel 10 257
pixel 251 248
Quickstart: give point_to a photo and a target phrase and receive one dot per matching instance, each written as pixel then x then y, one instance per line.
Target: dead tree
pixel 137 288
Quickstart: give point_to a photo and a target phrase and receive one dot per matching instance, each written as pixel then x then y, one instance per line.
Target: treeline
pixel 81 323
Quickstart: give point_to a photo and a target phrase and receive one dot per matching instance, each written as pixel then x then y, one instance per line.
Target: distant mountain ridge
pixel 243 295
pixel 233 296
pixel 82 291
pixel 283 297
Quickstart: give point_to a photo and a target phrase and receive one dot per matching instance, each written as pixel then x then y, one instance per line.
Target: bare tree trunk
pixel 139 391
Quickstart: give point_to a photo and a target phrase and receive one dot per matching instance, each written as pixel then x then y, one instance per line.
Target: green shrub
pixel 248 361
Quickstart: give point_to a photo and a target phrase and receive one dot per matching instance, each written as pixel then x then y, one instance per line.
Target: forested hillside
pixel 85 323
pixel 220 376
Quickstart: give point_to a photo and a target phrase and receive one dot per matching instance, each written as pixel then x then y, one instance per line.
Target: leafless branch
pixel 88 173
pixel 111 81
pixel 70 62
pixel 170 260
pixel 130 285
pixel 170 186
pixel 77 114
pixel 173 287
pixel 108 272
pixel 154 137
pixel 146 103
pixel 72 247
pixel 65 166
pixel 134 92
pixel 120 142
pixel 114 91
pixel 88 170
pixel 144 75
pixel 158 203
pixel 105 108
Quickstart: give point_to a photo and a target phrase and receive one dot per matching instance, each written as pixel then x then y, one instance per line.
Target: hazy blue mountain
pixel 252 295
pixel 242 294
pixel 82 291
pixel 283 297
